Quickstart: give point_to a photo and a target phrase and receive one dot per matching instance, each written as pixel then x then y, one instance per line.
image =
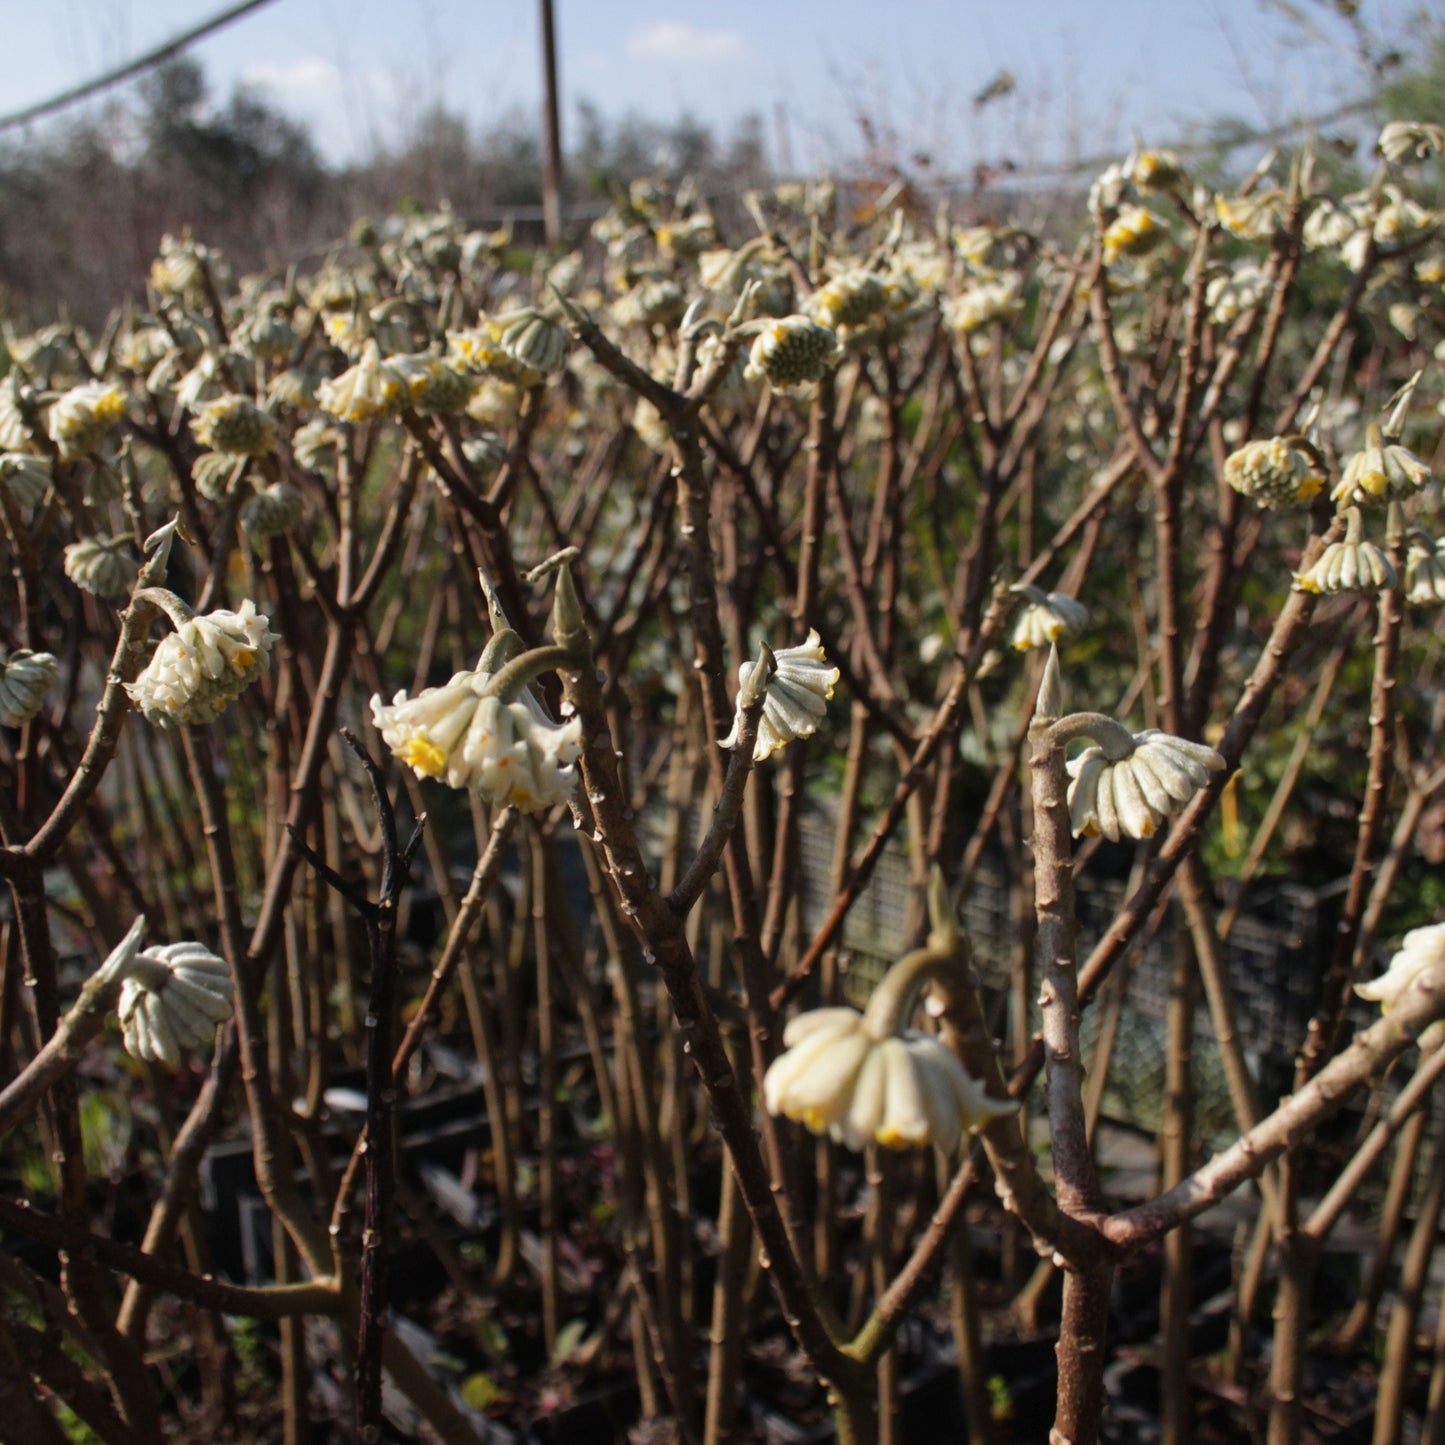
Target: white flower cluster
pixel 1421 954
pixel 1352 565
pixel 1049 617
pixel 172 999
pixel 509 752
pixel 1274 472
pixel 1131 796
pixel 795 701
pixel 792 352
pixel 201 667
pixel 81 418
pixel 836 1078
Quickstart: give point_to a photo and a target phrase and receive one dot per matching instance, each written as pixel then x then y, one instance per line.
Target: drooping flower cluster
pixel 1049 617
pixel 838 1078
pixel 1424 570
pixel 509 752
pixel 1351 565
pixel 1421 955
pixel 1131 796
pixel 1382 472
pixel 203 666
pixel 172 999
pixel 795 701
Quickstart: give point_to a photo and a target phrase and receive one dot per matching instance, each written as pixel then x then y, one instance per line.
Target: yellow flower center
pixel 421 753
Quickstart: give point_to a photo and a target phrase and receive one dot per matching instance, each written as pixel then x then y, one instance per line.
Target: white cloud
pixel 303 77
pixel 676 41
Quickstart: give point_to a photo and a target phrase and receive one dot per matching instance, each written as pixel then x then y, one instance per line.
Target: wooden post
pixel 551 132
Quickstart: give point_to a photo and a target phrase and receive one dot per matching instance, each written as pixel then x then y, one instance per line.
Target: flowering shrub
pixel 1184 472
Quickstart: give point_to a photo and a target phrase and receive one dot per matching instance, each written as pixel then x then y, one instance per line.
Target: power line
pixel 131 68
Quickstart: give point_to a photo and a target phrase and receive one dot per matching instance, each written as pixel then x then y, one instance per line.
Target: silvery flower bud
pixel 269 336
pixel 657 302
pixel 792 352
pixel 235 425
pixel 25 678
pixel 314 445
pixel 25 477
pixel 173 997
pixel 17 412
pixel 101 565
pixel 1275 472
pixel 271 510
pixel 485 452
pixel 535 340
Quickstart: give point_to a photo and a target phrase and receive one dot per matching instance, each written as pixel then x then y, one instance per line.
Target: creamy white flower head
pixel 81 417
pixel 1402 141
pixel 796 699
pixel 1379 474
pixel 1399 222
pixel 656 301
pixel 363 391
pixel 852 299
pixel 1421 955
pixel 1276 472
pixel 101 565
pixel 1256 216
pixel 793 351
pixel 1130 796
pixel 1048 617
pixel 984 303
pixel 1425 570
pixel 172 999
pixel 25 678
pixel 1134 232
pixel 1234 292
pixel 431 385
pixel 1327 226
pixel 203 666
pixel 1107 190
pixel 509 752
pixel 235 425
pixel 837 1078
pixel 1156 170
pixel 1353 565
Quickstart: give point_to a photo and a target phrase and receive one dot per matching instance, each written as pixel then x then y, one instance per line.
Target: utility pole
pixel 551 132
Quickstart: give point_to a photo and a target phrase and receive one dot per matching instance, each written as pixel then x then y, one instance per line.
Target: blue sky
pixel 1089 72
